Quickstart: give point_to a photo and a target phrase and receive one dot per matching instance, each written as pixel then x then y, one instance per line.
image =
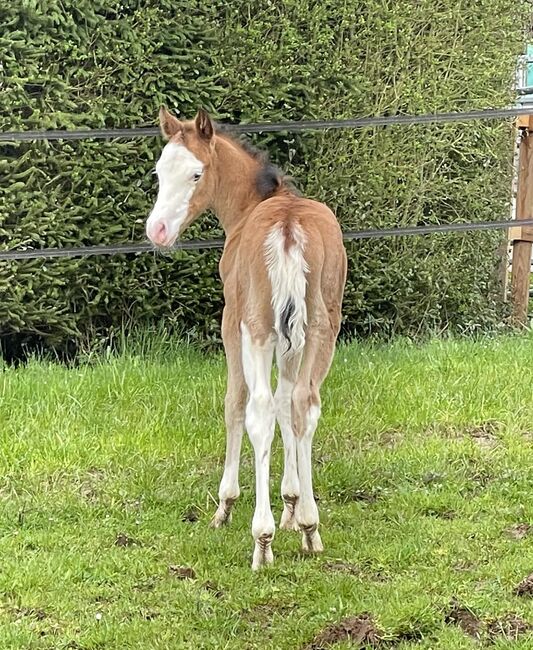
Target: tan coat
pixel 284 270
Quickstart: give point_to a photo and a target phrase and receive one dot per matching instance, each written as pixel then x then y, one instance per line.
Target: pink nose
pixel 158 233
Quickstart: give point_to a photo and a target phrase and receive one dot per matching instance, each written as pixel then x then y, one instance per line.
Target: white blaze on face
pixel 178 171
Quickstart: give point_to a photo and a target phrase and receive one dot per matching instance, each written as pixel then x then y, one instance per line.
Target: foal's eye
pixel 197 177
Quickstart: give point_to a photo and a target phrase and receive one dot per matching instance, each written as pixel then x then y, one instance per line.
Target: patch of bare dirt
pixel 125 540
pixel 519 531
pixel 391 438
pixel 359 630
pixel 525 588
pixel 36 613
pixel 191 515
pixel 464 618
pixel 509 627
pixel 182 572
pixel 484 435
pixel 90 484
pixel 213 589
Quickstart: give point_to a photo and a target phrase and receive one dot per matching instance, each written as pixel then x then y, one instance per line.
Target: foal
pixel 284 270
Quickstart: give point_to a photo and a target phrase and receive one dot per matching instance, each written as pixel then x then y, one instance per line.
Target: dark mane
pixel 270 179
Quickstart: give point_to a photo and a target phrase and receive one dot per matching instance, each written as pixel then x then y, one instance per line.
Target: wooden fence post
pixel 522 236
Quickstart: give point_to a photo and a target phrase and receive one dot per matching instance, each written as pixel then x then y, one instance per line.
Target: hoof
pixel 219 520
pixel 311 542
pixel 222 516
pixel 288 519
pixel 263 552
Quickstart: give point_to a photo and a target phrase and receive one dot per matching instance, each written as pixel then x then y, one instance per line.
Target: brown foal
pixel 284 270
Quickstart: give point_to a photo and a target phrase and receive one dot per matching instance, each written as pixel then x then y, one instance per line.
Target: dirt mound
pixel 357 629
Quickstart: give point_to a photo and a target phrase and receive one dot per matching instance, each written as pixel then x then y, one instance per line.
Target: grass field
pixel 423 467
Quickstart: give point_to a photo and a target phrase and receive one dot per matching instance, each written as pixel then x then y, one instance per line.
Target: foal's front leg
pixel 234 415
pixel 229 490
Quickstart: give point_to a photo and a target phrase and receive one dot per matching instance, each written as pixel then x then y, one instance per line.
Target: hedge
pixel 91 63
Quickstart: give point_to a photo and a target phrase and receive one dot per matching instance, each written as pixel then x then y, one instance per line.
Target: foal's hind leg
pixel 260 423
pixel 235 403
pixel 306 408
pixel 290 486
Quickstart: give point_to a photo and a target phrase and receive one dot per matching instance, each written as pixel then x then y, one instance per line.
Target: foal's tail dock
pixel 287 268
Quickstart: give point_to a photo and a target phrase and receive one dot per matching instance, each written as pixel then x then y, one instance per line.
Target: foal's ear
pixel 170 125
pixel 204 125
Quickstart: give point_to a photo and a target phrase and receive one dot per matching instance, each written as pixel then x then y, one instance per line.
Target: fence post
pixel 522 236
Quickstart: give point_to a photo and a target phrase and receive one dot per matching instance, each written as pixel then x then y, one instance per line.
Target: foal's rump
pixel 291 234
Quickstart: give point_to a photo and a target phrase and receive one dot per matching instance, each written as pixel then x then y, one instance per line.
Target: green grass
pixel 423 460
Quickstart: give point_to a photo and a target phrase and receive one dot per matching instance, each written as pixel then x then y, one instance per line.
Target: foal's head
pixel 186 185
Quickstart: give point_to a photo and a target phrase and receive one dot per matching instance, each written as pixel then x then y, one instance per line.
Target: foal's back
pixel 297 226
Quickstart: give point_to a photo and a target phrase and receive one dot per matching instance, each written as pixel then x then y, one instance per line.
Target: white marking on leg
pixel 229 486
pixel 260 422
pixel 306 508
pixel 290 485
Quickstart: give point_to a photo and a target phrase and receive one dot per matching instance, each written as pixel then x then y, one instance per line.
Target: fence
pixel 276 127
pixel 520 230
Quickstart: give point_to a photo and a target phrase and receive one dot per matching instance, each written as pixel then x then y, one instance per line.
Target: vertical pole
pixel 524 210
pixel 505 266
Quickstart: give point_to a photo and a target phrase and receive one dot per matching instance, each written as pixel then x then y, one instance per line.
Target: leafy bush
pixel 111 64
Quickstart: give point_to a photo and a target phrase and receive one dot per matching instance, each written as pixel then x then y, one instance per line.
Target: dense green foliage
pixel 94 64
